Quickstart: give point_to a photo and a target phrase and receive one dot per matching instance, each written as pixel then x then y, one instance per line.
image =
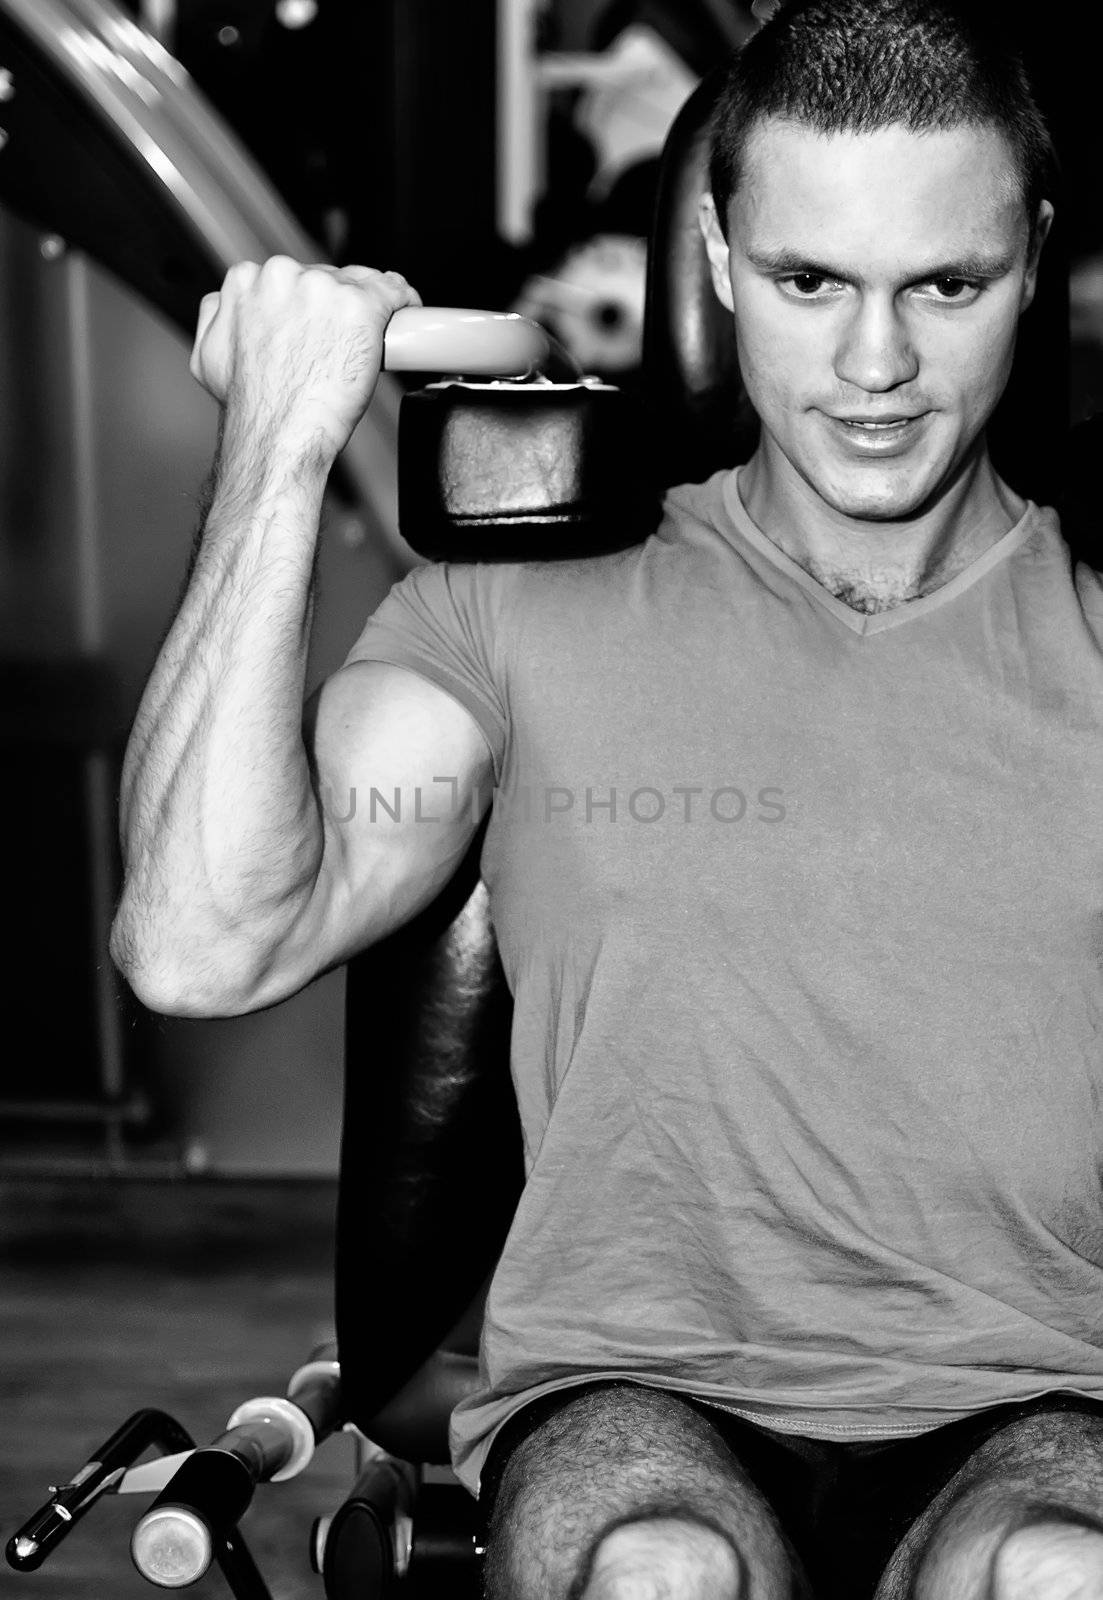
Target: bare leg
pixel 1022 1520
pixel 663 1555
pixel 628 1493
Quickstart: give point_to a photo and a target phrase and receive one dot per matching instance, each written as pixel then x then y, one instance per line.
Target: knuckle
pixel 242 271
pixel 319 276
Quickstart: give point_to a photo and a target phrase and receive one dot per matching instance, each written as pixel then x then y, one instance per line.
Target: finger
pixel 393 282
pixel 405 294
pixel 351 272
pixel 208 310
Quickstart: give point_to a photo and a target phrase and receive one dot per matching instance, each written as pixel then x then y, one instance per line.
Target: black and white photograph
pixel 551 695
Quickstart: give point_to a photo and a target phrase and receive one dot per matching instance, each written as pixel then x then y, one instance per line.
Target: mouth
pixel 880 422
pixel 880 434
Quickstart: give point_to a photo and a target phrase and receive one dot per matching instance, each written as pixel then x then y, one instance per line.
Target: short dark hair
pixel 856 66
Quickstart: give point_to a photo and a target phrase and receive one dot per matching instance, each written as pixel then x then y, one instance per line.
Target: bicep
pixel 402 775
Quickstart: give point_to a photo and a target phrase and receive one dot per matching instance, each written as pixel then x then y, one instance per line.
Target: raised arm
pixel 245 874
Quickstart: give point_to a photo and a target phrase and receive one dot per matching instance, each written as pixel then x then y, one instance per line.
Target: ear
pixel 716 247
pixel 1038 236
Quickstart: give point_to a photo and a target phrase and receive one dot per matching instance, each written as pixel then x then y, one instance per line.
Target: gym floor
pixel 190 1296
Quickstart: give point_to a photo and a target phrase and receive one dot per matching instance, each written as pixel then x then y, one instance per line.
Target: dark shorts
pixel 844 1507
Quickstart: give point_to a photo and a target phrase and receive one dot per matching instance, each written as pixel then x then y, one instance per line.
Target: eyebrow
pixel 973 265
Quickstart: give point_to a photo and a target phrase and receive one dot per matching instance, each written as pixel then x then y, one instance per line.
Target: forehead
pixel 886 197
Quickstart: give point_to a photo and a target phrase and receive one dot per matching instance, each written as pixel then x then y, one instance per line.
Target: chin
pixel 878 508
pixel 886 497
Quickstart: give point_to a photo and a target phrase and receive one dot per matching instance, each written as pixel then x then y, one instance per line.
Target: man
pixel 794 859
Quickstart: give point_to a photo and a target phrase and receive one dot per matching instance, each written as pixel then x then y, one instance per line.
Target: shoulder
pixel 691 512
pixel 699 502
pixel 1089 588
pixel 1067 564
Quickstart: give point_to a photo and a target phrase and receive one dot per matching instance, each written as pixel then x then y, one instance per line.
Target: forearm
pixel 221 834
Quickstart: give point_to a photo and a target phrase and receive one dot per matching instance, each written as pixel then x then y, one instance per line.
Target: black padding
pixel 1080 500
pixel 443 1561
pixel 414 1424
pixel 215 1484
pixel 514 471
pixel 701 419
pixel 359 1558
pixel 359 1553
pixel 431 1165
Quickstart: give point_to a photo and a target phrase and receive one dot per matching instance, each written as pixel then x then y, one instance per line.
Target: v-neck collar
pixel 908 610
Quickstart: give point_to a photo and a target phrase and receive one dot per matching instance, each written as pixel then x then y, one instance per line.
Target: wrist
pixel 273 459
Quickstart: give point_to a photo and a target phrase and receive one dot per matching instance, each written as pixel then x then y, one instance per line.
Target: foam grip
pixel 452 339
pixel 513 472
pixel 173 1544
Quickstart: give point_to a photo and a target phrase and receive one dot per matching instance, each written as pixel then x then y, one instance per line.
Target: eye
pixel 959 291
pixel 806 285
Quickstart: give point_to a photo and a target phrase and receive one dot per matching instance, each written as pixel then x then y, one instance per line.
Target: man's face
pixel 876 279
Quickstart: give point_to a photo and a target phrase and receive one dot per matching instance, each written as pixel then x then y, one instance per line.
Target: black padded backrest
pixel 431 1165
pixel 692 386
pixel 1079 500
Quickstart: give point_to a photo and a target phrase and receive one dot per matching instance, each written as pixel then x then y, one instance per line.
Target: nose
pixel 875 351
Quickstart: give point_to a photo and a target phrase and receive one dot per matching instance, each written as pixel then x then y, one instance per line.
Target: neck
pixel 875 565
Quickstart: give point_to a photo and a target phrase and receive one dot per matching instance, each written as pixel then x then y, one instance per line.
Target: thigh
pixel 590 1458
pixel 1033 1461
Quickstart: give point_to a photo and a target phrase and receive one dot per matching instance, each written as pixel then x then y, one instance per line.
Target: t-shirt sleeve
pixel 443 622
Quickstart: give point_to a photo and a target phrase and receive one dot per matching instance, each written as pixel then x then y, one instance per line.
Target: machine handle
pixel 441 339
pixel 102 1473
pixel 266 1440
pixel 495 344
pixel 174 1543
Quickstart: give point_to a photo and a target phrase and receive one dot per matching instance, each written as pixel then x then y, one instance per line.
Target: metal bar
pixel 239 1569
pixel 41 1534
pixel 89 598
pixel 100 801
pixel 204 172
pixel 158 18
pixel 133 1110
pixel 519 166
pixel 99 798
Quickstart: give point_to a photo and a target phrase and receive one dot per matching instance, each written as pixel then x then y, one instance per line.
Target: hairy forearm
pixel 221 834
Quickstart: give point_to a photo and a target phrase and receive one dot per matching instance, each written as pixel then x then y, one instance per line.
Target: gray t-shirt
pixel 802 912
